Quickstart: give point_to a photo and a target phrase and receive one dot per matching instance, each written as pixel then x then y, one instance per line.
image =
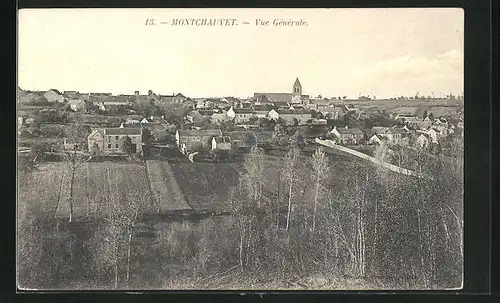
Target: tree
pixel 147 137
pixel 291 160
pixel 253 120
pixel 76 134
pixel 127 145
pixel 320 168
pixel 254 165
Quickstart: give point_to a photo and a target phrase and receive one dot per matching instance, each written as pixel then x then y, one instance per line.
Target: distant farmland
pixel 47 189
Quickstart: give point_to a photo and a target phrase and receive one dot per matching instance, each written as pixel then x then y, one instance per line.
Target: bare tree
pixel 254 165
pixel 320 168
pixel 73 157
pixel 290 171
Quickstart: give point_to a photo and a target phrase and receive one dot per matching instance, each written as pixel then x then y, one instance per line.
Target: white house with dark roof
pixel 195 140
pixel 110 140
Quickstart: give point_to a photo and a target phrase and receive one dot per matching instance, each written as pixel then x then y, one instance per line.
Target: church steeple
pixel 297 87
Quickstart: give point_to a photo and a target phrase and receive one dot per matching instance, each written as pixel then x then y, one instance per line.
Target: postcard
pixel 240 149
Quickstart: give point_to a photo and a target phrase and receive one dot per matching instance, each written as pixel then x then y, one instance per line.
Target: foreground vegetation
pixel 294 224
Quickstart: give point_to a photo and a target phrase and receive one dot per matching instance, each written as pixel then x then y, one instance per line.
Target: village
pixel 222 128
pixel 161 178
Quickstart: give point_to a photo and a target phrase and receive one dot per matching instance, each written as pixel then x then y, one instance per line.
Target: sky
pixel 340 52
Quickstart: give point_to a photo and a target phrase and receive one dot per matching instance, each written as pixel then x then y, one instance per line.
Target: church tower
pixel 297 88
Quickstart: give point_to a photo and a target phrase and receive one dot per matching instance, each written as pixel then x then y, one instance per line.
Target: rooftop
pixel 123 131
pixel 292 111
pixel 201 132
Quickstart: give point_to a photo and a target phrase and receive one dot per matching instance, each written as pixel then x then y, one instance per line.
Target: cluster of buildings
pixel 405 135
pixel 416 125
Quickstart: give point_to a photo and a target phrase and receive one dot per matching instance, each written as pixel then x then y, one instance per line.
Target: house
pixel 243 115
pixel 221 143
pixel 392 135
pixel 188 103
pixel 204 103
pixel 77 105
pixel 273 115
pixel 85 96
pixel 230 113
pixel 404 111
pixel 245 104
pixel 294 116
pixel 281 105
pixel 106 101
pixel 53 95
pixel 171 99
pixel 398 136
pixel 346 135
pixel 166 99
pixel 195 140
pixel 261 110
pixel 319 122
pixel 207 113
pixel 95 98
pixel 436 132
pixel 195 117
pixel 71 94
pixel 423 140
pixel 350 108
pixel 143 100
pixel 232 101
pixel 132 121
pixel 110 140
pixel 242 139
pixel 311 106
pixel 311 132
pixel 218 118
pixel 262 99
pixel 334 112
pixel 296 107
pixel 417 123
pixel 70 146
pixel 374 139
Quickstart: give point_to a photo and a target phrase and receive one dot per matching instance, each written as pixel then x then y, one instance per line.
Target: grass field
pixel 47 189
pixel 206 185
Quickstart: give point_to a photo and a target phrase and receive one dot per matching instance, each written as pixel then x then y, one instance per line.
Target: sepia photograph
pixel 240 149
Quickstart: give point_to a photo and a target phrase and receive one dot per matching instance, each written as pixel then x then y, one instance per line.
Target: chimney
pixel 136 93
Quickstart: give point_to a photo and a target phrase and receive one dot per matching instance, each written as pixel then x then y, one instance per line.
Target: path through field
pixel 165 188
